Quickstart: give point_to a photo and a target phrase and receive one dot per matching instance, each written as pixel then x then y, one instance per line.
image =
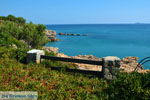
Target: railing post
pixel 110 67
pixel 34 56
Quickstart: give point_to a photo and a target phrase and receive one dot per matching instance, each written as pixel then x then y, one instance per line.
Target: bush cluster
pixel 12 18
pixel 17 36
pixel 13 30
pixel 130 86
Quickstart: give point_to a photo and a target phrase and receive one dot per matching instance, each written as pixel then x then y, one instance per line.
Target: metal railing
pixel 143 61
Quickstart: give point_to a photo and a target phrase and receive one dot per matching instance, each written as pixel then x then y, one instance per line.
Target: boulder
pixel 50 33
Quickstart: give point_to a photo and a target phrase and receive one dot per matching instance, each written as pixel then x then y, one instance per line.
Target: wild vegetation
pixel 17 37
pixel 14 30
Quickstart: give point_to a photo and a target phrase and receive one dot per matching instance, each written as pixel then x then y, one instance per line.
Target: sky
pixel 78 11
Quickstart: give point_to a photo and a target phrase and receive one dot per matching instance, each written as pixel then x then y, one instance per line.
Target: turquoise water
pixel 104 40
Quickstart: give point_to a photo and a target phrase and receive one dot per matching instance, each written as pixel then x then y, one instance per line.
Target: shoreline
pixel 128 64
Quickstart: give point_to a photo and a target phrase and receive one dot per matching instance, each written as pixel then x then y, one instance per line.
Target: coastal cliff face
pixel 128 64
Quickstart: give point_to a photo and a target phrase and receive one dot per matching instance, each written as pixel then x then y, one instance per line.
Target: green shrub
pixel 13 53
pixel 133 86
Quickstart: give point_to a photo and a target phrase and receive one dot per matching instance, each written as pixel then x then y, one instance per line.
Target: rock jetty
pixel 71 34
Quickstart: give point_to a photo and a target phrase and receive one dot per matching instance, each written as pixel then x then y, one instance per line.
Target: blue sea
pixel 120 40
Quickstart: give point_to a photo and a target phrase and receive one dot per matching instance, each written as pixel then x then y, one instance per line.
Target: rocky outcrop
pixel 53 39
pixel 89 57
pixel 128 64
pixel 88 66
pixel 84 66
pixel 51 49
pixel 62 55
pixel 51 34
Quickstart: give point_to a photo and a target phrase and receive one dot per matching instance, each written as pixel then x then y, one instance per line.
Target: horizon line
pixel 97 23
